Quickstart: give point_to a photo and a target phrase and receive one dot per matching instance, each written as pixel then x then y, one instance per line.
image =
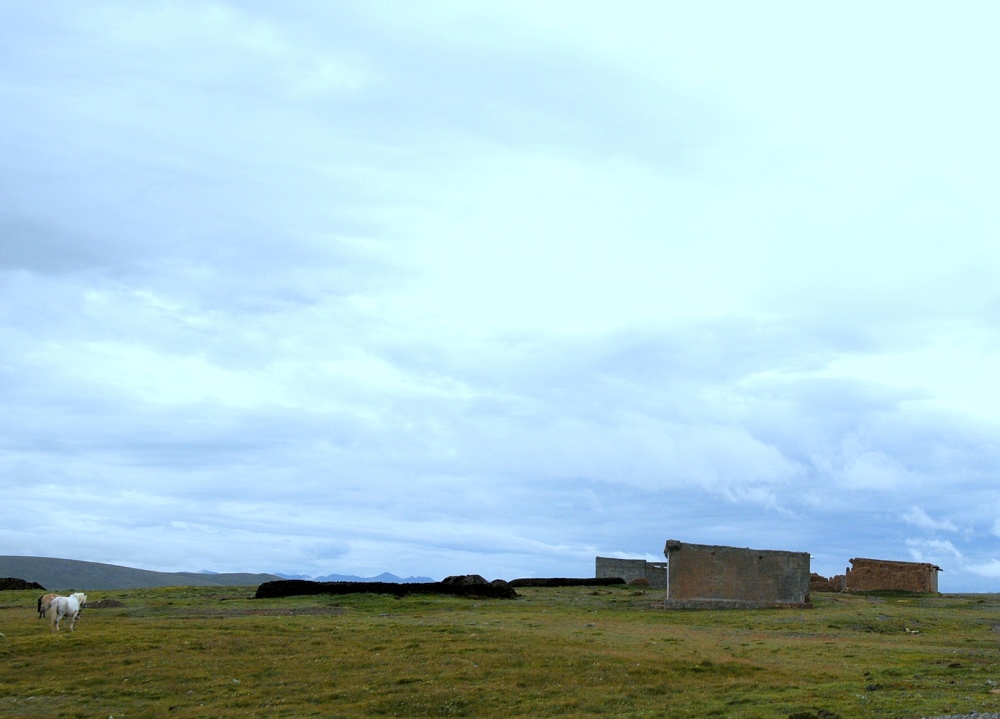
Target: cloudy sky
pixel 498 287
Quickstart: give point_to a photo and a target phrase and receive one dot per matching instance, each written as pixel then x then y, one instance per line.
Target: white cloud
pixel 929 550
pixel 872 470
pixel 954 372
pixel 498 284
pixel 990 569
pixel 920 518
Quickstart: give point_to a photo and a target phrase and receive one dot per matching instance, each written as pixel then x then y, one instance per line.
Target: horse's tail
pixel 56 611
pixel 39 607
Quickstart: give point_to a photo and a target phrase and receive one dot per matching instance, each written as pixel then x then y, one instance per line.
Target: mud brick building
pixel 866 575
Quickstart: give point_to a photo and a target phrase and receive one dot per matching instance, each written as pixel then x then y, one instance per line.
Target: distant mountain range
pixel 383 577
pixel 72 574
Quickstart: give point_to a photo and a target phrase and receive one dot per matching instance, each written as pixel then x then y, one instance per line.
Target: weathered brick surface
pixel 756 577
pixel 866 575
pixel 818 583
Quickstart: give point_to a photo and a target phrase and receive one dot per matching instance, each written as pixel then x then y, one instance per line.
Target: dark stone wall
pixel 566 582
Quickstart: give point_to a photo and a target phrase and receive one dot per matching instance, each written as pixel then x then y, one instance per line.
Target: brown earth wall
pixel 873 575
pixel 819 583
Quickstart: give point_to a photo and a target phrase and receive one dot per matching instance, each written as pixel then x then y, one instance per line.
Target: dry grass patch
pixel 570 652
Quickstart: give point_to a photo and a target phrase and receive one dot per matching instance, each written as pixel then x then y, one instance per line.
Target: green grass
pixel 569 652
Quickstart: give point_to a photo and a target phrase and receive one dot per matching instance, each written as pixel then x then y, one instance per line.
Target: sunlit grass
pixel 193 652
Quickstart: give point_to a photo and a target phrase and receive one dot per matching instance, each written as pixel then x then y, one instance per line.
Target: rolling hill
pixel 72 574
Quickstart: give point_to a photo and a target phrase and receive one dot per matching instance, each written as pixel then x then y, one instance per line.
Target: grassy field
pixel 570 652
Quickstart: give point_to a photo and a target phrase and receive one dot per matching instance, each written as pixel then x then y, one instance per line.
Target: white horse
pixel 67 607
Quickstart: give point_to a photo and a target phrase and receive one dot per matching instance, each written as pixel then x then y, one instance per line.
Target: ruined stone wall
pixel 732 574
pixel 631 569
pixel 867 575
pixel 818 583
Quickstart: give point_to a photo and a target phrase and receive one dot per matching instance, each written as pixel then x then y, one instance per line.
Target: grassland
pixel 568 652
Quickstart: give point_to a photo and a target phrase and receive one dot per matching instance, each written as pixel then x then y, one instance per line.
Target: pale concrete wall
pixel 627 569
pixel 755 576
pixel 630 569
pixel 656 574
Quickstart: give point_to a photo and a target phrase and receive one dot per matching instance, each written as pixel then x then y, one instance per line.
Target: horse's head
pixel 81 598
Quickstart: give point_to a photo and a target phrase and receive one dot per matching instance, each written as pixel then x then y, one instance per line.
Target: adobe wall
pixel 630 569
pixel 747 577
pixel 836 583
pixel 866 575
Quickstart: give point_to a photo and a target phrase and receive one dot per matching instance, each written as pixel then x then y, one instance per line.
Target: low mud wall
pixel 819 583
pixel 566 582
pixel 297 587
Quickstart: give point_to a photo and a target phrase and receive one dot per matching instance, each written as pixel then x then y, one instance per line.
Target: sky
pixel 499 287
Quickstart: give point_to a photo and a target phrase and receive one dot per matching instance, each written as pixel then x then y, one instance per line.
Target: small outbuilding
pixel 868 575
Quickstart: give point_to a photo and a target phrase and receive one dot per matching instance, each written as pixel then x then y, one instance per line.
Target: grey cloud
pixel 419 88
pixel 203 249
pixel 32 246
